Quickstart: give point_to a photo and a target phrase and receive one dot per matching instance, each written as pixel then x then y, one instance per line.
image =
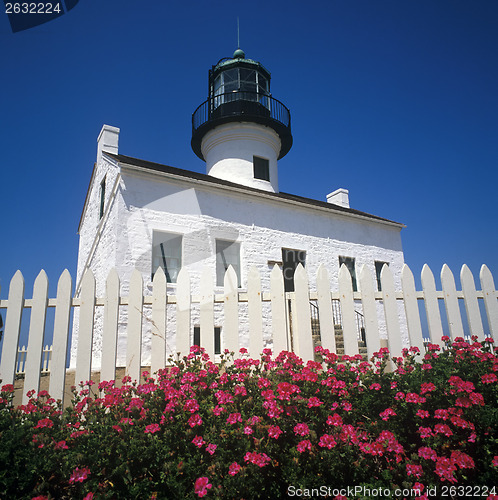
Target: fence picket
pixel 21 359
pixel 61 334
pixel 255 313
pixel 85 333
pixel 12 329
pixel 369 311
pixel 490 302
pixel 207 311
pixel 37 359
pixel 431 305
pixel 348 312
pixel 451 303
pixel 46 359
pixel 327 333
pixel 231 330
pixel 391 312
pixel 411 309
pixel 183 313
pixel 110 327
pixel 303 341
pixel 134 331
pixel 471 305
pixel 158 326
pixel 278 312
pixel 35 335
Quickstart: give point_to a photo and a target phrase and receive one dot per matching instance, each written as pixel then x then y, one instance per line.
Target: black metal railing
pixel 315 319
pixel 337 318
pixel 237 103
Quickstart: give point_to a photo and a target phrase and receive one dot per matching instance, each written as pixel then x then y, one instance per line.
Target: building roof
pixel 188 174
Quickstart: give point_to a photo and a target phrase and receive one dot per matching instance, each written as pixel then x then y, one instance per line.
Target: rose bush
pixel 248 428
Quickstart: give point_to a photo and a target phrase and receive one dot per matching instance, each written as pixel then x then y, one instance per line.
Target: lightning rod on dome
pixel 238 33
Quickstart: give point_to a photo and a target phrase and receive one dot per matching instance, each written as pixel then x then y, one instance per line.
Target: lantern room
pixel 241 130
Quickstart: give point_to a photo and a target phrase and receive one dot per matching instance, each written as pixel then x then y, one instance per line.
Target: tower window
pixel 261 168
pixel 349 263
pixel 227 254
pixel 167 254
pixel 102 198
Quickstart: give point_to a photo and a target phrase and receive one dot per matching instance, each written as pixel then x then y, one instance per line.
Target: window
pixel 102 198
pixel 378 270
pixel 227 254
pixel 248 80
pixel 261 168
pixel 349 263
pixel 290 260
pixel 241 84
pixel 167 254
pixel 217 338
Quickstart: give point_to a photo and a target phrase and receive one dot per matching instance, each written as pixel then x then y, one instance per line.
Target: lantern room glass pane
pixel 231 80
pixel 262 84
pixel 217 85
pixel 247 80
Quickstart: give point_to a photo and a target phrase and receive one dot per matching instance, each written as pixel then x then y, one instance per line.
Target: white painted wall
pixel 229 150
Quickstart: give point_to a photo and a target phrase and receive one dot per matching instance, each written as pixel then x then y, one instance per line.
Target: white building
pixel 144 215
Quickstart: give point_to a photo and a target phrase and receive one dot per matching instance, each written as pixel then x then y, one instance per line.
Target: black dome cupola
pixel 239 91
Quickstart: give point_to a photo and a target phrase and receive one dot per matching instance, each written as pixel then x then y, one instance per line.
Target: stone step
pixel 339 340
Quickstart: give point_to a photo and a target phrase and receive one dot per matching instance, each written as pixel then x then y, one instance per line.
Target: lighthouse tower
pixel 241 130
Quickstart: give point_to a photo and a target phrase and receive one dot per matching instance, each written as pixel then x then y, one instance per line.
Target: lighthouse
pixel 241 130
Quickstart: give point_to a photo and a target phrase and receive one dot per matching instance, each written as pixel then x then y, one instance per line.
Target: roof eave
pixel 205 180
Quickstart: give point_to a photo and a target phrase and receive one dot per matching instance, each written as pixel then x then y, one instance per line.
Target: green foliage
pixel 251 429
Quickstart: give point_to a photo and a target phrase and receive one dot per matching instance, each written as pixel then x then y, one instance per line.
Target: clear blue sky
pixel 395 100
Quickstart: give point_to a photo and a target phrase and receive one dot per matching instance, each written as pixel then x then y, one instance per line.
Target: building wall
pixel 262 226
pixel 98 241
pixel 146 202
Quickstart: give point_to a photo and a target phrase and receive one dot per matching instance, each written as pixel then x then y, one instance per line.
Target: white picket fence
pixel 400 313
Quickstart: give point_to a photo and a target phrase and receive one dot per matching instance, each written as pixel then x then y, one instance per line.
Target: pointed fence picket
pixel 158 340
pixel 183 313
pixel 471 305
pixel 431 303
pixel 369 311
pixel 12 329
pixel 348 311
pixel 207 311
pixel 110 327
pixel 396 306
pixel 490 302
pixel 36 333
pixel 451 303
pixel 61 336
pixel 327 331
pixel 412 314
pixel 85 335
pixel 279 324
pixel 255 313
pixel 303 340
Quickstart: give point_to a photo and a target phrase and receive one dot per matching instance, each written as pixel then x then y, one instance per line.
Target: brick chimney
pixel 107 141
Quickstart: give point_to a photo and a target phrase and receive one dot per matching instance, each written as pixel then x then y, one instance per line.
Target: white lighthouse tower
pixel 241 131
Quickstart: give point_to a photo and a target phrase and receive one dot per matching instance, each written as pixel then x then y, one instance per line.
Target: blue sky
pixel 394 100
